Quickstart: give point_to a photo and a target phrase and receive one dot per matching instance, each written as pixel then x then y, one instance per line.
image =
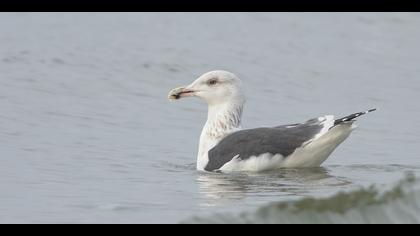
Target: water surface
pixel 88 135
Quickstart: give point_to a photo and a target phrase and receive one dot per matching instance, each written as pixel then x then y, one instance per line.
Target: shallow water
pixel 88 135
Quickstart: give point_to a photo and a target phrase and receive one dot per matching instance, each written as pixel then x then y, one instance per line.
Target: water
pixel 88 135
pixel 399 204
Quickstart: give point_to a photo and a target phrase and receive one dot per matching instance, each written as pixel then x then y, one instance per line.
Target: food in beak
pixel 178 93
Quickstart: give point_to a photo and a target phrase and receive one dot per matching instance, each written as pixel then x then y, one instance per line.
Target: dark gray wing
pixel 252 142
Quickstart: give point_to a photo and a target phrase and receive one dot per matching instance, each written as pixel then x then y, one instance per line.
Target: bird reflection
pixel 218 188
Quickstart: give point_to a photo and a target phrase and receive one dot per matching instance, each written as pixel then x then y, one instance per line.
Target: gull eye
pixel 212 82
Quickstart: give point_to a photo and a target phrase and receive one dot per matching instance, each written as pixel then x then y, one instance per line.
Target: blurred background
pixel 88 136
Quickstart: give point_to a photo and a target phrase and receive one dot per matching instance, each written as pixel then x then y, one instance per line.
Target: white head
pixel 215 87
pixel 223 93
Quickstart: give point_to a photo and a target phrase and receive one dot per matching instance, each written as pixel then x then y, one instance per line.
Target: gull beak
pixel 180 92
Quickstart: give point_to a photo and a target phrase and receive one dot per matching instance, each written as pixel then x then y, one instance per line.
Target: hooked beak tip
pixel 180 92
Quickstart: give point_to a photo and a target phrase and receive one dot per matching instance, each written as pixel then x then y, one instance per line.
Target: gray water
pixel 88 136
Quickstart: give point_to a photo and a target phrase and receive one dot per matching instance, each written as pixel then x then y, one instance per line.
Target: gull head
pixel 215 87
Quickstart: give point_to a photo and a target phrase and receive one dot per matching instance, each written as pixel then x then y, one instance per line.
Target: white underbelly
pixel 310 155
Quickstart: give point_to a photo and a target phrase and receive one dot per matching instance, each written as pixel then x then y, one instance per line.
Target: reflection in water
pixel 87 125
pixel 397 204
pixel 218 189
pixel 215 186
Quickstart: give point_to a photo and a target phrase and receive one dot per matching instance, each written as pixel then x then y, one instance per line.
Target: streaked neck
pixel 222 120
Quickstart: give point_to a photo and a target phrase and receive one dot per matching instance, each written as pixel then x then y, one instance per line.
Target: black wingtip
pixel 352 117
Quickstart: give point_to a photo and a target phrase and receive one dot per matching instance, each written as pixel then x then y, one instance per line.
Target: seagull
pixel 225 147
